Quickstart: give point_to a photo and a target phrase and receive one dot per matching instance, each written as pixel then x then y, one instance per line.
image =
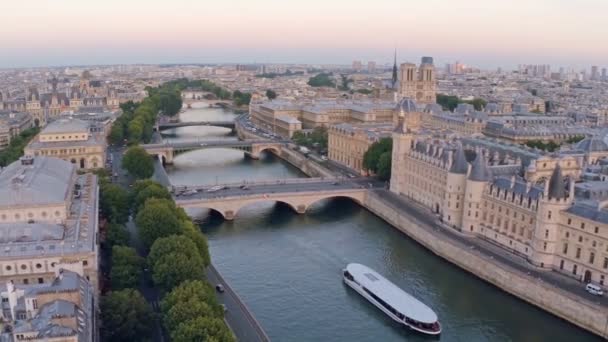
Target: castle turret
pixel 402 144
pixel 554 200
pixel 478 178
pixel 455 188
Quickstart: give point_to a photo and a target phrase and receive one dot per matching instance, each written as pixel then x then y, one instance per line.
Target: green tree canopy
pixel 175 259
pixel 202 329
pixel 191 231
pixel 114 203
pixel 185 311
pixel 151 191
pixel 116 234
pixel 371 158
pixel 126 317
pixel 157 219
pixel 384 166
pixel 197 290
pixel 322 80
pixel 138 163
pixel 126 268
pixel 271 94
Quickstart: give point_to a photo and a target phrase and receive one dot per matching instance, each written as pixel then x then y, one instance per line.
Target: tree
pixel 371 158
pixel 344 81
pixel 138 162
pixel 384 166
pixel 202 329
pixel 117 133
pixel 114 203
pixel 157 219
pixel 175 259
pixel 184 311
pixel 271 94
pixel 126 317
pixel 117 234
pixel 126 267
pixel 322 80
pixel 448 102
pixel 189 230
pixel 151 191
pixel 197 290
pixel 477 103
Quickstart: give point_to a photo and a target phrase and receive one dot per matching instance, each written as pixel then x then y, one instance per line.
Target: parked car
pixel 219 288
pixel 594 289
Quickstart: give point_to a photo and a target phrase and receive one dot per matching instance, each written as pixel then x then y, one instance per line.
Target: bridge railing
pixel 257 183
pixel 187 143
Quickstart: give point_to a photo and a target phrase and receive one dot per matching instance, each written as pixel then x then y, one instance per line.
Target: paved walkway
pixel 245 327
pixel 430 221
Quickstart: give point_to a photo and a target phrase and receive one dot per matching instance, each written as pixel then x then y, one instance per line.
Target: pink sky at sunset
pixel 484 32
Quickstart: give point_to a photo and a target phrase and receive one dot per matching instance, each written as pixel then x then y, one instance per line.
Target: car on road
pixel 594 289
pixel 219 288
pixel 336 183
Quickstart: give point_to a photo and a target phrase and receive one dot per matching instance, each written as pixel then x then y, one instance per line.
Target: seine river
pixel 287 267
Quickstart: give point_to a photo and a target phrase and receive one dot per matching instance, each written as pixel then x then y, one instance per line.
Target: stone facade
pixel 523 202
pixel 418 83
pixel 71 140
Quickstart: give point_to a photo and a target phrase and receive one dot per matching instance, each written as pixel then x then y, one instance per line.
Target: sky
pixel 484 33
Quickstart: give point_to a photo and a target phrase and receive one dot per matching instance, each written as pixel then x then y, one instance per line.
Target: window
pixel 578 253
pixel 38 266
pixel 569 221
pixel 85 263
pixel 567 234
pixel 35 303
pixel 591 257
pixel 8 267
pixel 546 233
pixel 561 264
pixel 565 250
pixel 574 269
pixel 597 230
pixel 544 246
pixel 605 263
pixel 549 215
pixel 26 281
pixel 24 267
pixel 582 225
pixel 580 238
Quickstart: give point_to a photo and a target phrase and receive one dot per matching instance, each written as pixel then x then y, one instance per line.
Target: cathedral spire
pixel 394 80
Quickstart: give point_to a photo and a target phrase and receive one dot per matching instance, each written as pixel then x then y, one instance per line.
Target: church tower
pixel 402 144
pixel 554 200
pixel 419 84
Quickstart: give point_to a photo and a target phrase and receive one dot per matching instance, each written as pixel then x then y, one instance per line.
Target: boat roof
pixel 392 294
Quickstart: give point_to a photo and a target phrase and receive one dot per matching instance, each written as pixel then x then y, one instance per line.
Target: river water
pixel 287 267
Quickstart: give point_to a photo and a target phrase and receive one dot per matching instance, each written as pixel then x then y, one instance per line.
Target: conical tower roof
pixel 460 165
pixel 480 171
pixel 556 184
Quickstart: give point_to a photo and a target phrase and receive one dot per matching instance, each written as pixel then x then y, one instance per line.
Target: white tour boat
pixel 396 303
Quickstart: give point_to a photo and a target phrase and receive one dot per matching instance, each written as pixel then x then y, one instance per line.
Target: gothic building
pixel 418 83
pixel 521 200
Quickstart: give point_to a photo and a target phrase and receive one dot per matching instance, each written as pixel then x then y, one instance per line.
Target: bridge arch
pixel 229 212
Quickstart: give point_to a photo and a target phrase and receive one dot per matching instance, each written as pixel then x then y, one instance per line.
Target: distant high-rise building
pixel 371 67
pixel 418 83
pixel 595 73
pixel 604 75
pixel 357 66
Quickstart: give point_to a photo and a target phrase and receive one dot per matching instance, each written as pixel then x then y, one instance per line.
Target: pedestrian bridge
pixel 169 125
pixel 166 151
pixel 298 194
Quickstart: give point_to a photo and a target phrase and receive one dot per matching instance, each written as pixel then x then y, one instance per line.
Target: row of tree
pixel 15 148
pixel 136 124
pixel 551 145
pixel 322 80
pixel 450 102
pixel 316 139
pixel 378 158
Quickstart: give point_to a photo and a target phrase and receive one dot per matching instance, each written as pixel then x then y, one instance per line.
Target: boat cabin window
pixel 348 276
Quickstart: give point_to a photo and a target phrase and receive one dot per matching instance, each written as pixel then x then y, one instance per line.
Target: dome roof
pixel 592 144
pixel 407 105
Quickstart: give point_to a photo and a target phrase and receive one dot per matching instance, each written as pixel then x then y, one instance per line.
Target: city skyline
pixel 480 33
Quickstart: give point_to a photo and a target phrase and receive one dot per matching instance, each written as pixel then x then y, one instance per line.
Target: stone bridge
pixel 168 125
pixel 297 194
pixel 167 151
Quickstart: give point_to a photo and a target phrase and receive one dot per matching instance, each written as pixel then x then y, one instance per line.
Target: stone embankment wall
pixel 309 167
pixel 576 310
